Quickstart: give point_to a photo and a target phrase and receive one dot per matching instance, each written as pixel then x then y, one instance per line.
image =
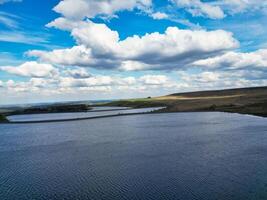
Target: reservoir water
pixel 96 112
pixel 186 156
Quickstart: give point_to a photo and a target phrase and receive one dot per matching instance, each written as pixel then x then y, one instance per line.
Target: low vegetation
pixel 3 119
pixel 53 109
pixel 245 101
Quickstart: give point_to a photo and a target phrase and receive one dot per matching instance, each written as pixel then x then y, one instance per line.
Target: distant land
pixel 251 101
pixel 3 118
pixel 56 107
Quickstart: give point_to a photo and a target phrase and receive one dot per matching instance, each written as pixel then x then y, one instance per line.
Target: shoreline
pixel 115 115
pixel 37 113
pixel 249 101
pixel 75 119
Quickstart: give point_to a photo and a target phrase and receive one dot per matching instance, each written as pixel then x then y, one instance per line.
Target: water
pixel 189 156
pixel 97 111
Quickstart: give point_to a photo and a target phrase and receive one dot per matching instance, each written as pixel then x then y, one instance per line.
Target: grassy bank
pixel 3 119
pixel 61 108
pixel 244 100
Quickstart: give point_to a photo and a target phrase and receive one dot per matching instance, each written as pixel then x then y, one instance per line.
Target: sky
pixel 73 50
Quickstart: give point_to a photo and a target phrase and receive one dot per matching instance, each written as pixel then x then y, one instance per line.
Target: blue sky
pixel 88 49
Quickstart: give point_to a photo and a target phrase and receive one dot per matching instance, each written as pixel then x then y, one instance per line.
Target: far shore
pixel 98 117
pixel 76 119
pixel 252 101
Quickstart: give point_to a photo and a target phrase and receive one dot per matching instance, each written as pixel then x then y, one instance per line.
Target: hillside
pixel 243 100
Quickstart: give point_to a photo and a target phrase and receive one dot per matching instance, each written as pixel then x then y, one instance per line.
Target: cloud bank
pixel 100 47
pixel 79 9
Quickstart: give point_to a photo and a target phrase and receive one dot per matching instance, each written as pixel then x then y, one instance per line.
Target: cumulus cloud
pixel 154 79
pixel 95 81
pixel 101 47
pixel 66 83
pixel 236 60
pixel 31 69
pixel 220 8
pixel 118 86
pixel 65 24
pixel 239 6
pixel 208 80
pixel 198 8
pixel 203 77
pixel 88 82
pixel 77 55
pixel 133 66
pixel 78 73
pixel 79 9
pixel 116 81
pixel 13 86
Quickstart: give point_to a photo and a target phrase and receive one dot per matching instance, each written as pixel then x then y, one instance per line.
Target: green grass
pixel 137 103
pixel 3 118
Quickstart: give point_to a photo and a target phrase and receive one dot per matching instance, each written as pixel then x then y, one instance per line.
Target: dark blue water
pixel 187 156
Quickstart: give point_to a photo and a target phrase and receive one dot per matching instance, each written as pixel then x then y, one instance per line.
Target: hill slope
pixel 243 100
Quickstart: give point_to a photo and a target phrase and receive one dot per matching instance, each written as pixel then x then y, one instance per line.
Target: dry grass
pixel 245 100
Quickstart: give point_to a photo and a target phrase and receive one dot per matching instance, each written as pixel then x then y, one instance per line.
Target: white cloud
pixel 98 37
pixel 101 47
pixel 31 69
pixel 154 79
pixel 133 66
pixel 159 15
pixel 220 8
pixel 96 81
pixel 78 9
pixel 239 6
pixel 236 60
pixel 40 86
pixel 78 73
pixel 175 43
pixel 208 80
pixel 128 81
pixel 77 55
pixel 70 84
pixel 88 82
pixel 118 86
pixel 203 77
pixel 65 24
pixel 198 8
pixel 22 37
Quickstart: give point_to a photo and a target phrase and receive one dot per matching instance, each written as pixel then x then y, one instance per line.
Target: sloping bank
pixel 251 101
